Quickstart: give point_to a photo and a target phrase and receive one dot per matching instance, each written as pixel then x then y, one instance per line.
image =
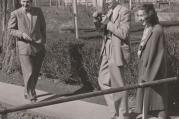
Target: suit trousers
pixel 31 66
pixel 112 76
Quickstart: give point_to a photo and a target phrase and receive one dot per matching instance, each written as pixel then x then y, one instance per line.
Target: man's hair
pixel 152 14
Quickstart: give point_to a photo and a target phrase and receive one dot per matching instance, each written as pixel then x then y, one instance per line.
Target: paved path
pixel 13 95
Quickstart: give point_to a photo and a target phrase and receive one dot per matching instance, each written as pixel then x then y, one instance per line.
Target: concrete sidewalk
pixel 13 95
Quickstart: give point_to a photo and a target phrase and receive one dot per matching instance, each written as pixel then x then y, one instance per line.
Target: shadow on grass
pixel 78 72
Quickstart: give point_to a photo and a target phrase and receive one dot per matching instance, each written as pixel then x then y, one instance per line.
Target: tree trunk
pixel 1 5
pixel 10 62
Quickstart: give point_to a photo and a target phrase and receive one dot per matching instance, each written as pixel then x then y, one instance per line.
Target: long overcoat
pixel 152 66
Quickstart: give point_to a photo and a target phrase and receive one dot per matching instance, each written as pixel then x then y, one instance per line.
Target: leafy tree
pixel 8 57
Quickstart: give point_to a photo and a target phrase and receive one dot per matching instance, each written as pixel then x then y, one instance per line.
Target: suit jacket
pixel 35 28
pixel 119 26
pixel 152 66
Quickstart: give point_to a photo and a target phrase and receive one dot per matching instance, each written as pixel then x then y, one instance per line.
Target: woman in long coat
pixel 152 65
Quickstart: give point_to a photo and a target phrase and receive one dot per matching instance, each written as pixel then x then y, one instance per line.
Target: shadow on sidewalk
pixel 79 91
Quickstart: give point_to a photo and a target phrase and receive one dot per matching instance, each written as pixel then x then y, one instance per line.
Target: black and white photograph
pixel 89 59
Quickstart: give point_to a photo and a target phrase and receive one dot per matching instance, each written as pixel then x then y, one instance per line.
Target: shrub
pixel 57 62
pixel 72 61
pixel 172 44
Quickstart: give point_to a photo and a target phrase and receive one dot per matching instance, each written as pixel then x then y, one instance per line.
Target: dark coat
pixel 152 66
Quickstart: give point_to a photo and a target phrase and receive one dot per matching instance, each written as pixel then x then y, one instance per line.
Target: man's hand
pixel 109 13
pixel 26 37
pixel 105 19
pixel 97 16
pixel 142 82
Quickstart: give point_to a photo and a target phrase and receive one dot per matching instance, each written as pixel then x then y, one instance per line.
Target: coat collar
pixel 29 23
pixel 143 43
pixel 148 35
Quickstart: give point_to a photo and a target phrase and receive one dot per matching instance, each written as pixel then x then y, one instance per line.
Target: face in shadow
pixel 26 4
pixel 142 17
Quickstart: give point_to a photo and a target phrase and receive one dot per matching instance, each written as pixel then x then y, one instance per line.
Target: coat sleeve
pixel 13 26
pixel 42 25
pixel 156 56
pixel 122 29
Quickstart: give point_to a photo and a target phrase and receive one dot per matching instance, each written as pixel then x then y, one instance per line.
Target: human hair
pixel 151 13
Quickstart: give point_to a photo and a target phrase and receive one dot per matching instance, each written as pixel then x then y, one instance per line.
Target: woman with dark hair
pixel 152 65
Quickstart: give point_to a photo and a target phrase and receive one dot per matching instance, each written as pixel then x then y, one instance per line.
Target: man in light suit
pixel 114 55
pixel 28 24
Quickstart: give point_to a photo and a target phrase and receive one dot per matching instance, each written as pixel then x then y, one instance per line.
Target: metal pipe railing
pixel 4 112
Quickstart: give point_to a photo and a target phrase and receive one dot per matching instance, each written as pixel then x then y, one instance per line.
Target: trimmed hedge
pixel 76 61
pixel 72 61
